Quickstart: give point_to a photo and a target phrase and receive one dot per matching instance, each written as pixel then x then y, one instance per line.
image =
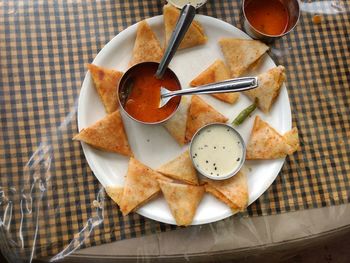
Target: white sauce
pixel 217 151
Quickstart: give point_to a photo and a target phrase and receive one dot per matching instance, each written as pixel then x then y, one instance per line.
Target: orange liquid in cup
pixel 143 101
pixel 267 16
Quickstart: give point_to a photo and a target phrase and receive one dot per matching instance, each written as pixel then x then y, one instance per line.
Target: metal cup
pixel 125 83
pixel 243 156
pixel 293 9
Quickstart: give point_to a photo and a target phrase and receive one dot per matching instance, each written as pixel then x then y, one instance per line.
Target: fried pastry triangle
pixel 201 114
pixel 115 193
pixel 241 54
pixel 176 125
pixel 266 143
pixel 216 72
pixel 181 169
pixel 183 200
pixel 292 138
pixel 270 84
pixel 232 191
pixel 141 185
pixel 106 83
pixel 107 134
pixel 195 34
pixel 147 46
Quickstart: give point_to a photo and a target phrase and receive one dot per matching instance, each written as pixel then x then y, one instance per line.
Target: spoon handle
pixel 185 19
pixel 231 85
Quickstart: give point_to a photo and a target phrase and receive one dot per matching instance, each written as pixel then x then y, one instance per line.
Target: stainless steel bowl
pixel 242 160
pixel 293 9
pixel 124 85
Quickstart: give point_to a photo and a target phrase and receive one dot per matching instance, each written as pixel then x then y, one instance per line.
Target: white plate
pixel 153 145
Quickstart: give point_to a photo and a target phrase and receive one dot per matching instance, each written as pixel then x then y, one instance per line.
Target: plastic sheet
pixel 35 159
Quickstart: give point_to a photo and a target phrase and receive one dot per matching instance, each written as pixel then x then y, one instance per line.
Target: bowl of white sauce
pixel 217 151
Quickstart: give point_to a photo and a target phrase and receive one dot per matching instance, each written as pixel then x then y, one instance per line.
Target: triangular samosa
pixel 216 72
pixel 180 168
pixel 195 34
pixel 241 54
pixel 106 83
pixel 140 186
pixel 183 200
pixel 270 84
pixel 292 138
pixel 176 125
pixel 232 191
pixel 147 47
pixel 266 143
pixel 107 134
pixel 115 193
pixel 201 114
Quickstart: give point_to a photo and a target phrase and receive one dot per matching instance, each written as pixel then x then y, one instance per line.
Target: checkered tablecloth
pixel 47 189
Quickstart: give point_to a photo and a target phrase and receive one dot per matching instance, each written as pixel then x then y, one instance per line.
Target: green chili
pixel 244 114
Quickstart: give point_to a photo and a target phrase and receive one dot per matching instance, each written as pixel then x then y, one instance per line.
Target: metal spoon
pixel 231 85
pixel 187 14
pixel 184 21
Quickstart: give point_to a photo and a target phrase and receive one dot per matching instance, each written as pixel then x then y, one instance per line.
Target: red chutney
pixel 267 16
pixel 143 101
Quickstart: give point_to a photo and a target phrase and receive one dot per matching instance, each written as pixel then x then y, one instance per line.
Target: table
pixel 48 192
pixel 276 236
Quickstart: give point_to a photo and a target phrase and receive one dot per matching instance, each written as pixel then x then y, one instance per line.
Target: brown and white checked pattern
pixel 44 49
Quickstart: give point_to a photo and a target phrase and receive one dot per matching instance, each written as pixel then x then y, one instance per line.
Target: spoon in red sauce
pixel 149 92
pixel 139 88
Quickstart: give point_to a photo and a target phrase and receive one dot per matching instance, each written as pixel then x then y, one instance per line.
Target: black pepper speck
pixel 215 168
pixel 206 161
pixel 238 159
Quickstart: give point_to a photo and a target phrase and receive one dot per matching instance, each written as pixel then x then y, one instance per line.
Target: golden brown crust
pixel 201 114
pixel 266 143
pixel 176 125
pixel 141 185
pixel 269 88
pixel 115 193
pixel 106 83
pixel 107 134
pixel 292 138
pixel 216 72
pixel 195 34
pixel 180 168
pixel 232 191
pixel 241 54
pixel 147 46
pixel 183 200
